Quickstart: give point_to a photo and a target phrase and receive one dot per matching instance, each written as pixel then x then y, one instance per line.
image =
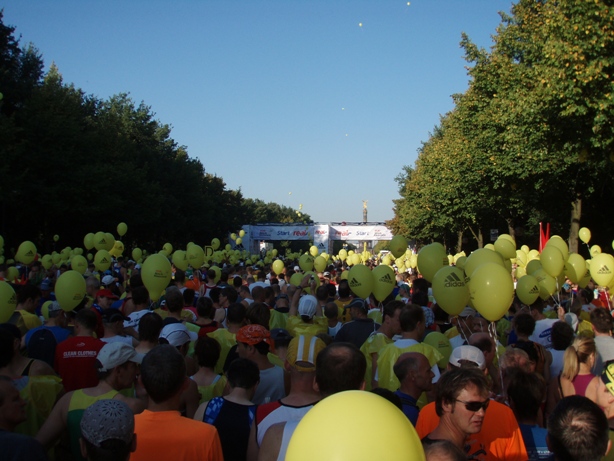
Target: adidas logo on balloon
pixel 386 279
pixel 354 283
pixel 453 280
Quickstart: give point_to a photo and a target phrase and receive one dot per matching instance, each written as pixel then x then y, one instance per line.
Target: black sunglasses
pixel 475 406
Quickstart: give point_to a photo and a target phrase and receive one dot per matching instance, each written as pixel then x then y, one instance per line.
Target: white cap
pixel 469 353
pixel 177 334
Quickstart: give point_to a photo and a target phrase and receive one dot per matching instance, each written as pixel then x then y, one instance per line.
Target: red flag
pixel 543 236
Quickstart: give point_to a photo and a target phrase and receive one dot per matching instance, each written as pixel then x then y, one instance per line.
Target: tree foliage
pixel 530 139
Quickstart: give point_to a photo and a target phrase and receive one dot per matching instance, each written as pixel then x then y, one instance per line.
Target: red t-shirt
pixel 75 362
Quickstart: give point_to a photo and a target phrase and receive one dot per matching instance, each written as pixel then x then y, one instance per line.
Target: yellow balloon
pixel 274 252
pixel 587 277
pixel 344 275
pixel 196 256
pixel 26 252
pixel 319 263
pixel 239 241
pixel 552 260
pixel 102 260
pixel 492 290
pixel 278 266
pixel 313 251
pixel 602 269
pixel 70 290
pixel 305 262
pixel 520 272
pixel 525 248
pixel 168 248
pixel 505 247
pixel 391 435
pixel 241 233
pixel 595 250
pixel 156 274
pixel 79 264
pixel 122 228
pixel 137 254
pixel 100 241
pixel 450 290
pixel 431 258
pixel 233 236
pixel 533 254
pixel 88 241
pixel 546 283
pixel 8 302
pixel 47 262
pixel 521 258
pixel 527 289
pixel 343 254
pixel 533 266
pixel 398 246
pixel 460 262
pixel 575 267
pixel 489 246
pixel 584 234
pixel 215 244
pixel 12 274
pixel 360 280
pixel 561 244
pixel 479 257
pixel 180 260
pixel 440 342
pixel 384 281
pixel 56 237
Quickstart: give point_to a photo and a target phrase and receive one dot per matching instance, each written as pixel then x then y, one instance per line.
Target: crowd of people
pixel 226 364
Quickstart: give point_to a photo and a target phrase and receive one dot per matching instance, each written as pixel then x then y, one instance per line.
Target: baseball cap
pixel 113 315
pixel 303 351
pixel 108 280
pixel 177 334
pixel 254 334
pixel 280 334
pixel 468 312
pixel 114 354
pixel 104 293
pixel 108 419
pixel 468 353
pixel 297 269
pixel 358 303
pixel 572 320
pixel 307 306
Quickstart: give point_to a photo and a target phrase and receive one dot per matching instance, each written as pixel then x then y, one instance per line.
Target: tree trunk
pixel 459 242
pixel 510 228
pixel 478 237
pixel 576 214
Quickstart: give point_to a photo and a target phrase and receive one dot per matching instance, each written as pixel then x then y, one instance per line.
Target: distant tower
pixel 364 211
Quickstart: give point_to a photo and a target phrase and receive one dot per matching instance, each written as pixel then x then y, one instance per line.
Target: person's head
pixel 205 308
pixel 140 296
pixel 485 343
pixel 228 295
pixel 358 308
pixel 235 314
pixel 107 431
pixel 163 373
pixel 12 406
pixel 581 351
pixel 207 351
pixel 253 340
pixel 303 352
pixel 322 293
pixel 28 296
pixel 526 392
pixel 113 320
pixel 174 299
pixel 150 326
pixel 344 289
pixel 258 313
pixel 443 450
pixel 307 307
pixel 467 356
pixel 578 430
pixel 562 335
pixel 258 294
pixel 331 311
pixel 340 367
pixel 281 339
pixel 601 320
pixel 480 325
pixel 421 298
pixel 414 370
pixel 243 373
pixel 282 302
pixel 10 340
pixel 391 315
pixel 524 324
pixel 177 335
pixel 188 297
pixel 412 318
pixel 462 399
pixel 118 363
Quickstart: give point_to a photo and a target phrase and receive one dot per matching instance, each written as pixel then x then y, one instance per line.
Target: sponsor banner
pixel 360 233
pixel 282 232
pixel 320 237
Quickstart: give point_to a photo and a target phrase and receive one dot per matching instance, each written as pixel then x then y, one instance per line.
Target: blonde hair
pixel 580 351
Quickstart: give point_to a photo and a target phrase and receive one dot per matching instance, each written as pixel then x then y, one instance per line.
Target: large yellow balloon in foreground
pixel 390 436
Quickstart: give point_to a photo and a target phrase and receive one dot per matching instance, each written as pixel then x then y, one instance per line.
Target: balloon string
pixel 492 331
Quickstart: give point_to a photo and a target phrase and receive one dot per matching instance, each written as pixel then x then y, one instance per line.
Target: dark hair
pixel 322 293
pixel 235 313
pixel 421 298
pixel 331 310
pixel 483 342
pixel 25 292
pixel 391 307
pixel 179 275
pixel 204 307
pixel 344 289
pixel 163 372
pixel 601 320
pixel 87 319
pixel 331 289
pixel 452 382
pixel 237 282
pixel 388 395
pixel 207 351
pixel 420 284
pixel 136 280
pixel 259 313
pixel 588 295
pixel 340 367
pixel 578 430
pixel 410 316
pixel 230 293
pixel 174 299
pixel 243 373
pixel 214 294
pixel 188 297
pixel 562 335
pixel 140 295
pixel 150 326
pixel 402 367
pixel 524 324
pixel 444 449
pixel 526 392
pixel 7 341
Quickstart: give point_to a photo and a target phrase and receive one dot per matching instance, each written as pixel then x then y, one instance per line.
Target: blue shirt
pixel 410 407
pixel 535 442
pixel 60 333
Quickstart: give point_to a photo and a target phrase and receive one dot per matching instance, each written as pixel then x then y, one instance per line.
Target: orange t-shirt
pixel 499 440
pixel 168 436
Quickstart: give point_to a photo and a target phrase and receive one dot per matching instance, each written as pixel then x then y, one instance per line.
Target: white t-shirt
pixel 542 333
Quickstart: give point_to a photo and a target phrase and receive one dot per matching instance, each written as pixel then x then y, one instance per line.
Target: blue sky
pixel 293 102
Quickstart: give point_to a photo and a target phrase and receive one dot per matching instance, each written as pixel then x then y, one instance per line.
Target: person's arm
pixel 137 405
pixel 190 399
pixel 200 412
pixel 252 445
pixel 297 296
pixel 373 370
pixel 271 443
pixel 41 368
pixel 56 423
